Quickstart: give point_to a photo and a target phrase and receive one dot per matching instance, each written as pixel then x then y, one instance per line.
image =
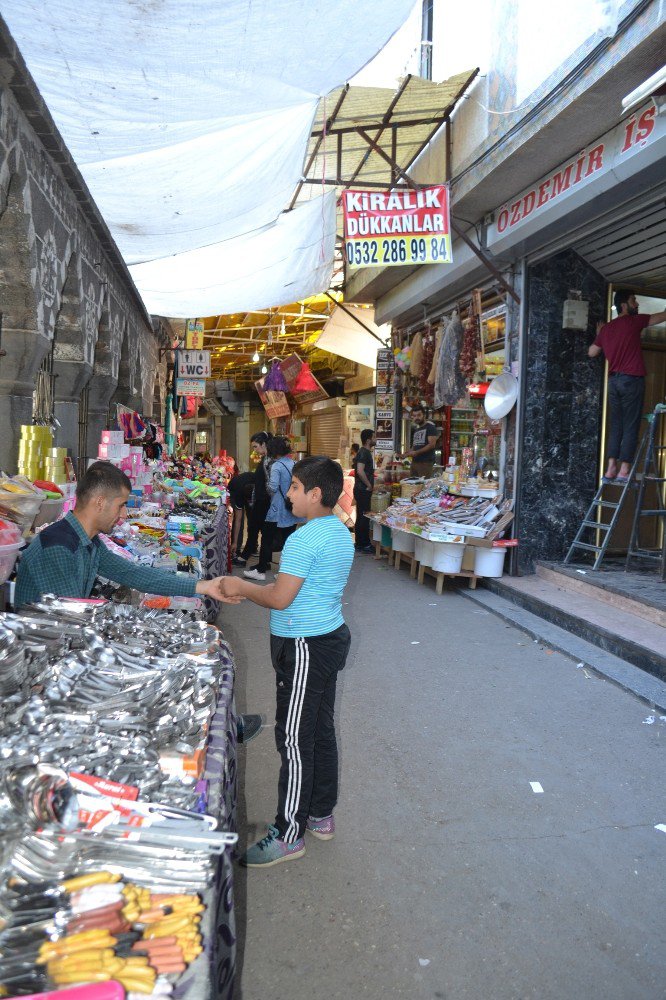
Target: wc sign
pixel 193 364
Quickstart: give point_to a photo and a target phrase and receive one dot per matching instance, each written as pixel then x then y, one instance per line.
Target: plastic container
pixel 8 557
pixel 424 551
pixel 49 511
pixel 377 531
pixel 448 557
pixel 403 541
pixel 489 562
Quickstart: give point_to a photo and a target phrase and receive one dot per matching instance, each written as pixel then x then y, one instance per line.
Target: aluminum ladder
pixel 591 522
pixel 652 469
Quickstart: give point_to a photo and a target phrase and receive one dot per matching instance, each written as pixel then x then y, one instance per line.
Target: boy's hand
pixel 231 588
pixel 214 588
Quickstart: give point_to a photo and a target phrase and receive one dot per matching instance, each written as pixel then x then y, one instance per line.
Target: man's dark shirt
pixel 364 457
pixel 420 439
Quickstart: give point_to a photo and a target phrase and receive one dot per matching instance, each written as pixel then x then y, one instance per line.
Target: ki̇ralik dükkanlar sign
pixel 392 228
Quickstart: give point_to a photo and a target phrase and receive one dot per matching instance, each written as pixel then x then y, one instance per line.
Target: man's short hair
pixel 366 435
pixel 621 296
pixel 278 447
pixel 102 477
pixel 317 470
pixel 418 409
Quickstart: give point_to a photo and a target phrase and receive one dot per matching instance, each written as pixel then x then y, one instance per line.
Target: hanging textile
pixel 215 559
pixel 450 382
pixel 425 389
pixel 417 355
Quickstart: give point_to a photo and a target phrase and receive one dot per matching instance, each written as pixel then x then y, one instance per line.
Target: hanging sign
pixel 396 228
pixel 194 335
pixel 194 364
pixel 190 386
pixel 385 421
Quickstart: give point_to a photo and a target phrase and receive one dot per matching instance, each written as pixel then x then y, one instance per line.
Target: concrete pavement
pixel 450 877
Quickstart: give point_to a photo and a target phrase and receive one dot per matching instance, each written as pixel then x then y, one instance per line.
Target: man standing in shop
pixel 620 342
pixel 364 484
pixel 424 439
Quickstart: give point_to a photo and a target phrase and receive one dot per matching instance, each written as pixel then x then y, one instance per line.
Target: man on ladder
pixel 620 342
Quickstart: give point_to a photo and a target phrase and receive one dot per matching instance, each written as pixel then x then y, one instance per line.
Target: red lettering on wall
pixel 529 201
pixel 646 124
pixel 579 169
pixel 628 134
pixel 503 220
pixel 595 160
pixel 543 194
pixel 561 181
pixel 515 213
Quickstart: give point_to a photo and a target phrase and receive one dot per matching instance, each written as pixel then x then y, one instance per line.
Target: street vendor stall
pixel 118 766
pixel 445 530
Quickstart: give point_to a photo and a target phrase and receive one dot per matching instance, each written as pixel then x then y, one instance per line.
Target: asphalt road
pixel 450 875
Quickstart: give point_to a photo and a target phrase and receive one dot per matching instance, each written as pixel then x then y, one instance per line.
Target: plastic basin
pixel 448 557
pixel 8 556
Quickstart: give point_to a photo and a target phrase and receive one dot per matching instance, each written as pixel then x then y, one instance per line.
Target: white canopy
pixel 189 119
pixel 348 333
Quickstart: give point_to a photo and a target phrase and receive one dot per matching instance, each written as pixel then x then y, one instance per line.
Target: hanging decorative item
pixel 305 380
pixel 275 380
pixel 426 390
pixel 417 355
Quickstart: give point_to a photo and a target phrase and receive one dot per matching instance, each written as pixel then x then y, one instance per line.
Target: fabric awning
pixel 345 336
pixel 190 119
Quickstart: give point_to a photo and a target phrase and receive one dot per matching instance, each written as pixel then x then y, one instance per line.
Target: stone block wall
pixel 63 285
pixel 562 404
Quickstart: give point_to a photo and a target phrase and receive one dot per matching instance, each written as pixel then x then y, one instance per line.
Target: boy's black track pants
pixel 306 672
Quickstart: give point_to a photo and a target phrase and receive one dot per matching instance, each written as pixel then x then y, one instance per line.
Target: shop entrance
pixel 654 355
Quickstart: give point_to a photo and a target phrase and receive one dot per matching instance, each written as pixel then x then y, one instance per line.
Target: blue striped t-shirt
pixel 321 553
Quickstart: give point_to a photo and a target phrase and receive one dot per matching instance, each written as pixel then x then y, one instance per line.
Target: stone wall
pixel 63 285
pixel 561 399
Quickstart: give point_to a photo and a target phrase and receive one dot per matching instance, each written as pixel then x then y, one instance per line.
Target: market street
pixel 450 877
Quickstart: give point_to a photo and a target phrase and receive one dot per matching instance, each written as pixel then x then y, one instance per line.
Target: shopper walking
pixel 261 500
pixel 279 522
pixel 364 484
pixel 620 342
pixel 309 646
pixel 241 491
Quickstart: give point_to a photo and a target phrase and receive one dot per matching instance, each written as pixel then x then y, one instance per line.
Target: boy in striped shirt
pixel 309 646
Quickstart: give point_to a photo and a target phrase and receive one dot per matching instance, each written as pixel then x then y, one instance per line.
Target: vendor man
pixel 620 342
pixel 66 557
pixel 424 439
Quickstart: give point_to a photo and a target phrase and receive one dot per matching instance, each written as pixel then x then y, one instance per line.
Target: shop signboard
pixel 193 364
pixel 274 403
pixel 397 228
pixel 194 335
pixel 608 155
pixel 190 386
pixel 385 421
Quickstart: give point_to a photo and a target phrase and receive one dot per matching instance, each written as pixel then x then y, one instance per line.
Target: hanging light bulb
pixel 255 357
pixel 264 370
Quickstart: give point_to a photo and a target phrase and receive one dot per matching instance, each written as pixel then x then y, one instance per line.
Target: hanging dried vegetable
pixel 425 388
pixel 417 355
pixel 471 347
pixel 438 346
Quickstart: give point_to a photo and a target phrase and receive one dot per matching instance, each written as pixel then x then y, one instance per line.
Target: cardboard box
pixel 112 437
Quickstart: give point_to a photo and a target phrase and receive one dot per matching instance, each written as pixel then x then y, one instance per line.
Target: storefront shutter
pixel 325 433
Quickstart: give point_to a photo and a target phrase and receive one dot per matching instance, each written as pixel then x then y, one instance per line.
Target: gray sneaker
pixel 271 851
pixel 322 829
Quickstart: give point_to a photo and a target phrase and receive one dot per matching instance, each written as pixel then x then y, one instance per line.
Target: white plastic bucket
pixel 8 556
pixel 403 541
pixel 376 532
pixel 424 551
pixel 448 557
pixel 489 562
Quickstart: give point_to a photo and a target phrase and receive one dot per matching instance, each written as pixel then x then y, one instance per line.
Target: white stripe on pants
pixel 291 738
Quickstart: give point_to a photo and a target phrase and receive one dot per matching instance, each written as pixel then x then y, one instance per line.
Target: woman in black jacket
pixel 261 500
